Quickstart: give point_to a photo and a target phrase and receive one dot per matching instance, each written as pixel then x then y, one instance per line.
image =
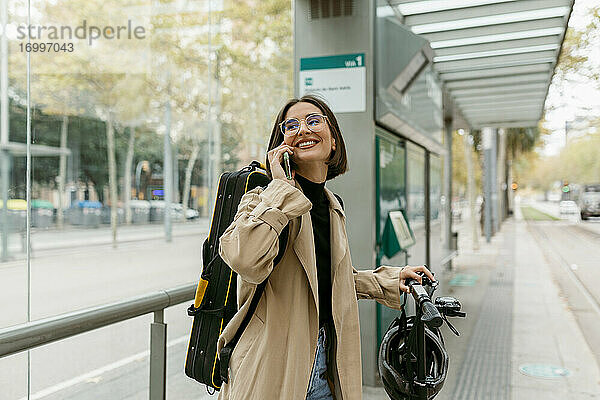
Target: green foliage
pixel 577 163
pixel 577 48
pixel 248 68
pixel 521 140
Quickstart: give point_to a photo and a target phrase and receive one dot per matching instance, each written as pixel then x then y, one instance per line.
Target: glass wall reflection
pixel 415 193
pixel 13 189
pixel 137 107
pixel 435 223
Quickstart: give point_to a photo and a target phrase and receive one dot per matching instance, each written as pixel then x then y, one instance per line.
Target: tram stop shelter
pixel 401 76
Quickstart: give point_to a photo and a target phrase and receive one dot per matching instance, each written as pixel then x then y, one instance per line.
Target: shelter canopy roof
pixel 495 57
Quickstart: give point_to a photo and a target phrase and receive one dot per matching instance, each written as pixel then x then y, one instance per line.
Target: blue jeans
pixel 318 388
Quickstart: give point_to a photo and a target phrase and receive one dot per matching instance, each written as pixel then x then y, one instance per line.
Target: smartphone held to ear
pixel 287 166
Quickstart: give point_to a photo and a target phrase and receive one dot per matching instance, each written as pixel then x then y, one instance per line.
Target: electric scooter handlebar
pixel 431 316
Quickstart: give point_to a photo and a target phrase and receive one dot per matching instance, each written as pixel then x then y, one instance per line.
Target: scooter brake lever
pixel 452 328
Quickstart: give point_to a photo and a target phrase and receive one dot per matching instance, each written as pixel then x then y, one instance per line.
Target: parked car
pixel 589 205
pixel 191 214
pixel 157 211
pixel 567 207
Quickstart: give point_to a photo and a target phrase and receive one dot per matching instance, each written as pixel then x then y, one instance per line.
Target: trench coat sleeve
pixel 381 285
pixel 250 244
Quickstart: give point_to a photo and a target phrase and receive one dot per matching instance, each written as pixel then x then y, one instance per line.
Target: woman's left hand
pixel 409 272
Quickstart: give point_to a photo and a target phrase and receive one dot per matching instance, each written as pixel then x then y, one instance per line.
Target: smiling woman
pixel 303 340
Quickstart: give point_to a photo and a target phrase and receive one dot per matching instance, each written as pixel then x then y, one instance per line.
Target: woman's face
pixel 320 151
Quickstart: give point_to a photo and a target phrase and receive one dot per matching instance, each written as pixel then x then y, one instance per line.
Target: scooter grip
pixel 431 316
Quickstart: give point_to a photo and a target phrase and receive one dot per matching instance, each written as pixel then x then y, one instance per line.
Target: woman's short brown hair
pixel 338 162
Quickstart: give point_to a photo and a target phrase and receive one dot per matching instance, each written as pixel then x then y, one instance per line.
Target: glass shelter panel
pixel 13 195
pixel 391 196
pixel 136 108
pixel 435 223
pixel 415 193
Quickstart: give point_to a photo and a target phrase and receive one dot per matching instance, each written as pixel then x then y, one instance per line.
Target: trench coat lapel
pixel 337 232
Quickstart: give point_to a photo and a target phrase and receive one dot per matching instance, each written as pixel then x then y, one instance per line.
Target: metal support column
pixel 4 73
pixel 5 168
pixel 427 208
pixel 468 142
pixel 158 357
pixel 448 189
pixel 487 136
pixel 494 181
pixel 501 177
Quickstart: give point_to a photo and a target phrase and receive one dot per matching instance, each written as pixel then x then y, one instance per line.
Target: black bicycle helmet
pixel 398 368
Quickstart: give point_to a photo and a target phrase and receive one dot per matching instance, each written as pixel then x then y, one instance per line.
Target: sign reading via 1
pixel 340 79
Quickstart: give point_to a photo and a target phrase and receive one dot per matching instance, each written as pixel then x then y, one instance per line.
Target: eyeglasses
pixel 314 123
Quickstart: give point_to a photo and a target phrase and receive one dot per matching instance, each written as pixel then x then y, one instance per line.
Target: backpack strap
pixel 226 351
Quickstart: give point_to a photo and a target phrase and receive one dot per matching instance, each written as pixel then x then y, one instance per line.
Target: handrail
pixel 15 339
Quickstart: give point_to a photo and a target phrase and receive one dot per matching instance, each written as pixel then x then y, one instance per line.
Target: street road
pixel 82 270
pixel 573 249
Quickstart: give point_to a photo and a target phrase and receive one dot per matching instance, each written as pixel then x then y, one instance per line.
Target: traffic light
pixel 565 187
pixel 514 186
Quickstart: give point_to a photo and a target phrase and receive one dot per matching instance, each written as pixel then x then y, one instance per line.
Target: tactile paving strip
pixel 486 371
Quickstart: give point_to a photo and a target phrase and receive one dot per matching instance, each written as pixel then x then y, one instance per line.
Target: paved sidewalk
pixel 515 283
pixel 545 330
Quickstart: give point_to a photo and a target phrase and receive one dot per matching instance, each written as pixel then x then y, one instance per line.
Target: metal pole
pixel 487 180
pixel 158 357
pixel 28 196
pixel 448 188
pixel 4 75
pixel 62 171
pixel 4 154
pixel 168 172
pixel 494 180
pixel 209 170
pixel 6 163
pixel 467 139
pixel 175 182
pixel 427 208
pixel 501 176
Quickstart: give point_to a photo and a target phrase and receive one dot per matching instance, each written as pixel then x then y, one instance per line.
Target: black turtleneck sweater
pixel 319 215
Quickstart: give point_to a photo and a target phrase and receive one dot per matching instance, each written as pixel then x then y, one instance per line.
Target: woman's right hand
pixel 275 158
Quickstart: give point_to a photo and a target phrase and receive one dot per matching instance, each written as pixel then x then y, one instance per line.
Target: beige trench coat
pixel 274 356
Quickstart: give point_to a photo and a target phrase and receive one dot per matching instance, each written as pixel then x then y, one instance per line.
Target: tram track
pixel 545 242
pixel 572 253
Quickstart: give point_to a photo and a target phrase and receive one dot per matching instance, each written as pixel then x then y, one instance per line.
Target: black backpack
pixel 216 295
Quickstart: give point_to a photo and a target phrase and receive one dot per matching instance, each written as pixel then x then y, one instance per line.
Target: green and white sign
pixel 341 80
